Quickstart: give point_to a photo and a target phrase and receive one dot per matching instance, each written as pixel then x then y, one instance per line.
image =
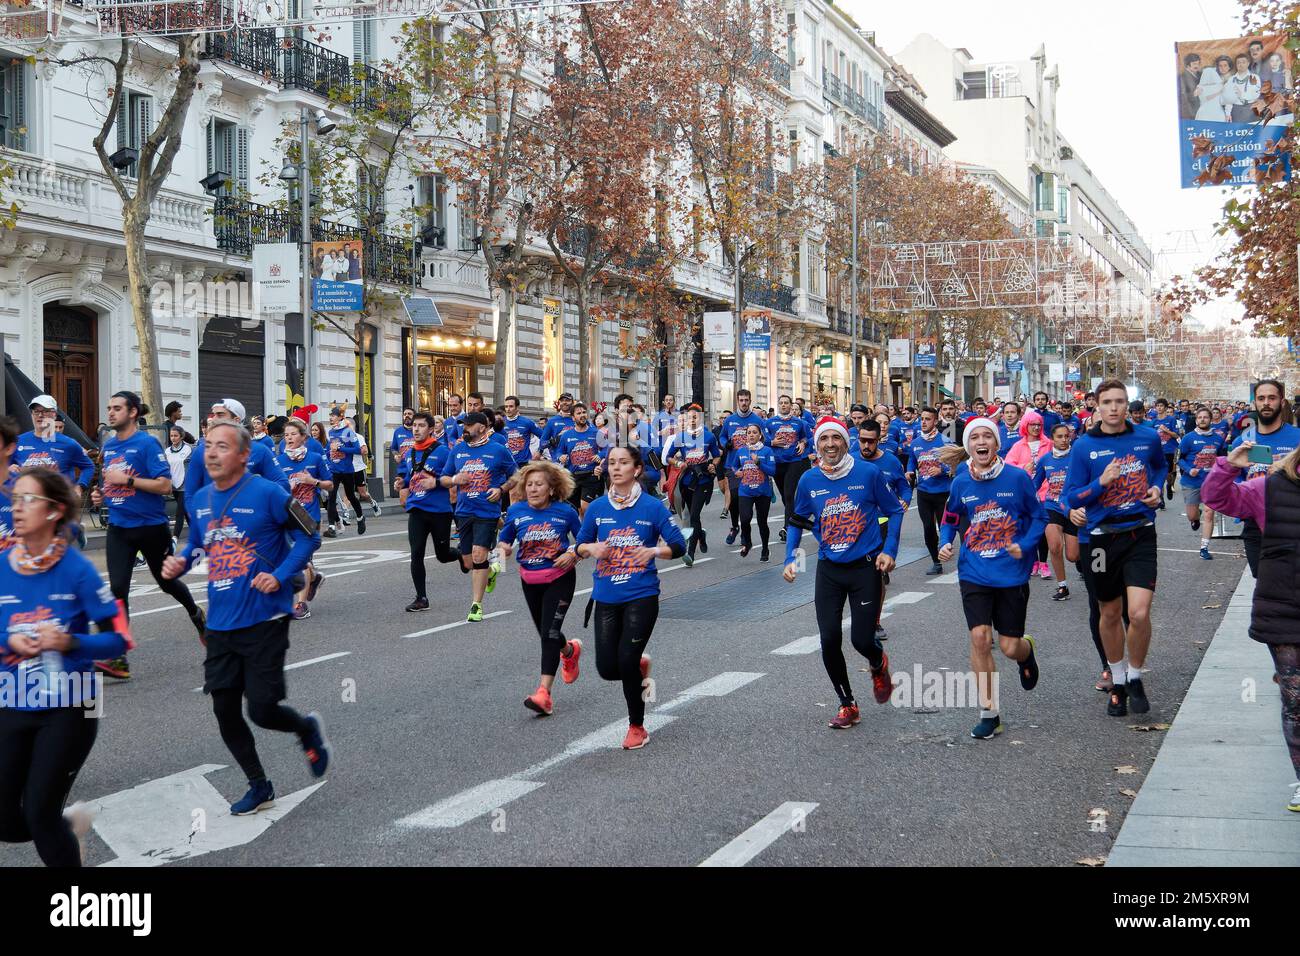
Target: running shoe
pixel 316 747
pixel 300 611
pixel 765 554
pixel 1117 703
pixel 1137 696
pixel 200 620
pixel 987 728
pixel 117 668
pixel 419 604
pixel 361 524
pixel 688 559
pixel 704 542
pixel 1294 804
pixel 882 684
pixel 731 536
pixel 540 701
pixel 475 613
pixel 1046 571
pixel 745 549
pixel 139 561
pixel 636 737
pixel 493 570
pixel 880 633
pixel 1103 684
pixel 1169 493
pixel 346 518
pixel 317 579
pixel 725 514
pixel 374 506
pixel 781 534
pixel 1062 593
pixel 1029 667
pixel 331 531
pixel 569 665
pixel 1196 526
pixel 845 717
pixel 1205 553
pixel 935 568
pixel 260 796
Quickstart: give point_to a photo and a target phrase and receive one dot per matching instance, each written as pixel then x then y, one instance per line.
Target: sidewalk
pixel 1216 794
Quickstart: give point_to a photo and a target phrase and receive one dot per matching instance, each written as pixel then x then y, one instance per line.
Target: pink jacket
pixel 1019 454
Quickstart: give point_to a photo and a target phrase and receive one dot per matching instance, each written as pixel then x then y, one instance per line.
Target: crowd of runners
pixel 1009 490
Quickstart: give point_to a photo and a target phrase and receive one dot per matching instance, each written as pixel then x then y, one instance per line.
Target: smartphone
pixel 1260 455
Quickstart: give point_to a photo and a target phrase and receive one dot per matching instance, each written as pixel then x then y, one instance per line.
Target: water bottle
pixel 51 669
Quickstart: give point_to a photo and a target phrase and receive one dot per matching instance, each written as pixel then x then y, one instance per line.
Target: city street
pixel 436 761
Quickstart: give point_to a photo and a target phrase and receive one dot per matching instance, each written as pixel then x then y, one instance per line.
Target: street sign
pixel 825 361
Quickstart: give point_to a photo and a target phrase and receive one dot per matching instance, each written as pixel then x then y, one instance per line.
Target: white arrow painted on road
pixel 178 817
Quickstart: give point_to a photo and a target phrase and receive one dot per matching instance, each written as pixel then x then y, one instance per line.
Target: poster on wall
pixel 1233 114
pixel 276 274
pixel 336 276
pixel 900 353
pixel 756 330
pixel 719 332
pixel 927 352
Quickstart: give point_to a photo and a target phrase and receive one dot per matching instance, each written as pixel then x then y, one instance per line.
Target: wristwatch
pixel 130 481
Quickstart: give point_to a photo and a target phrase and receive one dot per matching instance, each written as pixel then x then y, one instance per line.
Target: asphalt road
pixel 438 763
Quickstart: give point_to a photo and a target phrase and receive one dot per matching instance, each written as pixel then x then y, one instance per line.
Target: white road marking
pixel 950 578
pixel 671 567
pixel 761 835
pixel 448 627
pixel 1226 554
pixel 813 642
pixel 470 804
pixel 159 822
pixel 170 607
pixel 908 597
pixel 802 645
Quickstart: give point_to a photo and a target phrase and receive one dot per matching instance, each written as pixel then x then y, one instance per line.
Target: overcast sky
pixel 1118 99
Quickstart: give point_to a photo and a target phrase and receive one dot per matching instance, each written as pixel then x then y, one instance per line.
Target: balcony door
pixel 70 363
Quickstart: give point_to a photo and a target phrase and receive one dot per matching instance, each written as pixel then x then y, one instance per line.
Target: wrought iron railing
pixel 256 50
pixel 310 66
pixel 769 295
pixel 764 58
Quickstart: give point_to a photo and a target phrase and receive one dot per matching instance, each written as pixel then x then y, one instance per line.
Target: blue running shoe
pixel 1205 553
pixel 987 728
pixel 316 747
pixel 260 796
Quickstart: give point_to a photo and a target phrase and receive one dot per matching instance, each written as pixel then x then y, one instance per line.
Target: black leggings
pixel 1043 551
pixel 789 482
pixel 41 753
pixel 346 481
pixel 420 525
pixel 930 506
pixel 179 526
pixel 548 603
pixel 153 541
pixel 1286 662
pixel 695 499
pixel 859 582
pixel 227 704
pixel 622 632
pixel 733 499
pixel 1094 609
pixel 747 507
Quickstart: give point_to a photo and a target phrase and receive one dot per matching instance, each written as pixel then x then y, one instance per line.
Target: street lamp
pixel 300 173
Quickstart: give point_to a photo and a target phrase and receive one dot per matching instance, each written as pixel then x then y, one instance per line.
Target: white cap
pixel 975 423
pixel 235 408
pixel 46 402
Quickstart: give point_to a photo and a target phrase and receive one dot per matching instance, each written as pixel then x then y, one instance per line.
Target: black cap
pixel 564 395
pixel 131 398
pixel 475 418
pixel 859 407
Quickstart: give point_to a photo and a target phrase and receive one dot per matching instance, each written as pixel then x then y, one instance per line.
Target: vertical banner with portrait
pixel 552 350
pixel 927 352
pixel 337 271
pixel 755 330
pixel 1233 111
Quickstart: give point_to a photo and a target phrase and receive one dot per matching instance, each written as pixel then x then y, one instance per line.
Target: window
pixel 13 105
pixel 813 44
pixel 134 124
pixel 976 85
pixel 437 44
pixel 433 198
pixel 466 227
pixel 228 155
pixel 363 41
pixel 791 40
pixel 370 196
pixel 794 150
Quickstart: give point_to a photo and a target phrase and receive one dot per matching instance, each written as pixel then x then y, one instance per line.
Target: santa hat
pixel 970 430
pixel 304 414
pixel 829 424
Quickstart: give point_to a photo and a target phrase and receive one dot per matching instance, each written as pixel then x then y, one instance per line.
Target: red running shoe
pixel 882 683
pixel 846 718
pixel 540 702
pixel 569 665
pixel 636 736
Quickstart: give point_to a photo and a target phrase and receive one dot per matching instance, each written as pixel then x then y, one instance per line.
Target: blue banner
pixel 1232 154
pixel 756 330
pixel 336 276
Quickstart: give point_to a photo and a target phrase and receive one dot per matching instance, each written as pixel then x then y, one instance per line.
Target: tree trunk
pixel 140 286
pixel 506 307
pixel 588 376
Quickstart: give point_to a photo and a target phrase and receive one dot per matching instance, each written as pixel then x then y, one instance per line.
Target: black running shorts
pixel 586 487
pixel 1063 522
pixel 250 659
pixel 1003 609
pixel 476 532
pixel 1123 559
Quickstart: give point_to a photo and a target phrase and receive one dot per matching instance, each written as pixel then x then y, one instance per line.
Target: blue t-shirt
pixel 519 432
pixel 996 512
pixel 429 462
pixel 260 462
pixel 1223 427
pixel 695 451
pixel 1142 466
pixel 1053 471
pixel 579 450
pixel 1282 442
pixel 1169 437
pixel 7 539
pixel 895 477
pixel 296 472
pixel 343 444
pixel 846 514
pixel 540 535
pixel 1200 452
pixel 1050 420
pixel 489 466
pixel 932 475
pixel 69 595
pixel 142 457
pixel 266 441
pixel 618 578
pixel 638 436
pixel 1007 437
pixel 784 435
pixel 663 424
pixel 754 470
pixel 732 437
pixel 244 531
pixel 556 426
pixel 402 442
pixel 62 453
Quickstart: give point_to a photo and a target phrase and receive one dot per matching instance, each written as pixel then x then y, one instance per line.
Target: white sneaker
pixel 374 506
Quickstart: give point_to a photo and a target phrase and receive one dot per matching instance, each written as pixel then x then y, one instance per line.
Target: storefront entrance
pixel 70 363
